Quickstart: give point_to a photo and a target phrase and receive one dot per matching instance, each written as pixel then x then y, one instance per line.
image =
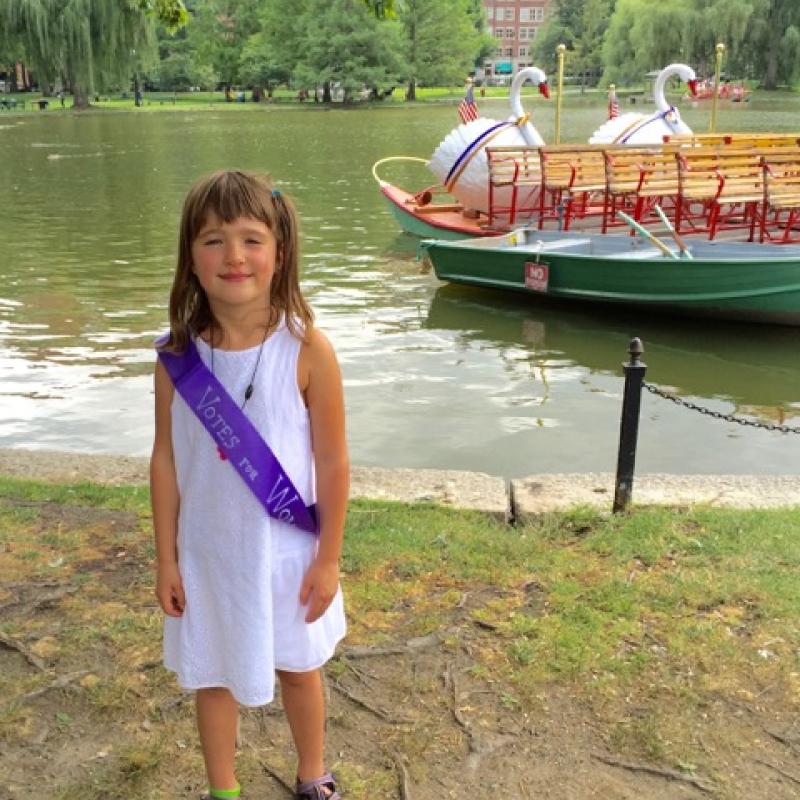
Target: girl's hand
pixel 169 590
pixel 319 587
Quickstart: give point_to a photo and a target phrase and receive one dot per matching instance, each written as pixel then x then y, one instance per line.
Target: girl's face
pixel 235 262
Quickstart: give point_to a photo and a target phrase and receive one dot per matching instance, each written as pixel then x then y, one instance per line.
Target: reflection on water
pixel 435 376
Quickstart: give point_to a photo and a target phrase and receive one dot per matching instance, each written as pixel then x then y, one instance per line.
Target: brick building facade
pixel 514 23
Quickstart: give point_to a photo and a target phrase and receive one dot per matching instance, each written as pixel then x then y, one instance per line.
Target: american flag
pixel 467 109
pixel 613 103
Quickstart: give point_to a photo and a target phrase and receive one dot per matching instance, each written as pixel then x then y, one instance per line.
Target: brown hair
pixel 231 194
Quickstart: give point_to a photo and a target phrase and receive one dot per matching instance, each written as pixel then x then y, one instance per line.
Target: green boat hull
pixel 761 283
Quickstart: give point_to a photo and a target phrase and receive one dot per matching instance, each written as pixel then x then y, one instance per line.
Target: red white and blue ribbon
pixel 236 436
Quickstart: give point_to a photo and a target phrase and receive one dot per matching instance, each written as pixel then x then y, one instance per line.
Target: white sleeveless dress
pixel 242 569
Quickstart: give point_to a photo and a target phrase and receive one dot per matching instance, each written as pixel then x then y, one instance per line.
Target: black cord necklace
pixel 248 392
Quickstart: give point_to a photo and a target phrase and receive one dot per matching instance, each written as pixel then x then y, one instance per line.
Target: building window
pixel 523 34
pixel 526 15
pixel 498 53
pixel 538 14
pixel 509 14
pixel 490 13
pixel 509 33
pixel 523 51
pixel 508 52
pixel 529 33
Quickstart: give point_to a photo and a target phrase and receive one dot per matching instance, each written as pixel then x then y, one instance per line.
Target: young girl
pixel 247 593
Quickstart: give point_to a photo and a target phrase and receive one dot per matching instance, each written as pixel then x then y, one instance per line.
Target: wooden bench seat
pixel 762 140
pixel 638 178
pixel 781 198
pixel 514 183
pixel 573 182
pixel 719 188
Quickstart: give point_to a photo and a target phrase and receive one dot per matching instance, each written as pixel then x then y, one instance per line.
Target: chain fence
pixel 767 426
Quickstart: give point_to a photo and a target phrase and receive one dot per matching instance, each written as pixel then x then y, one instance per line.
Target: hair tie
pixel 276 192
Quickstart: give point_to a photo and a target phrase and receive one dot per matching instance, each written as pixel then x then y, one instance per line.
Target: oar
pixel 679 240
pixel 645 234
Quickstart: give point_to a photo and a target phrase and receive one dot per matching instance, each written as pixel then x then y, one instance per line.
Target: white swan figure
pixel 459 162
pixel 635 128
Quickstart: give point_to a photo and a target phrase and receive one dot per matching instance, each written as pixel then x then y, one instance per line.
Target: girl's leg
pixel 217 716
pixel 304 702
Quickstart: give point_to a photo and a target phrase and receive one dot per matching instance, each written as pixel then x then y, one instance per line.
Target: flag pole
pixel 717 71
pixel 560 50
pixel 613 103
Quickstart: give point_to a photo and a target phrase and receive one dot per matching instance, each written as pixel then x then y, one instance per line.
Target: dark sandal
pixel 323 788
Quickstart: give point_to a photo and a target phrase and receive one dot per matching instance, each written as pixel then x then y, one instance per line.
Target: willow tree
pixel 774 37
pixel 91 43
pixel 762 37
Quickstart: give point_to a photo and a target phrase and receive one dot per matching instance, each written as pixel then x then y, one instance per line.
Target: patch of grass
pixel 647 616
pixel 14 492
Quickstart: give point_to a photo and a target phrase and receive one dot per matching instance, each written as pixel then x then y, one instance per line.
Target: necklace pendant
pixel 222 456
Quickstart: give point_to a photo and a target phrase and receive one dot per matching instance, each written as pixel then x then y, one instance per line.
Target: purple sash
pixel 236 437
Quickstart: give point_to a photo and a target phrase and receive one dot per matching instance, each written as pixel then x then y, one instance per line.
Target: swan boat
pixel 725 280
pixel 639 129
pixel 459 163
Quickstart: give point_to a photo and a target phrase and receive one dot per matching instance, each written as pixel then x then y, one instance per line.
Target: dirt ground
pixel 88 712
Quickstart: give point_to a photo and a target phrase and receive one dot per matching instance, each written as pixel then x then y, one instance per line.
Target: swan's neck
pixel 660 86
pixel 516 103
pixel 530 73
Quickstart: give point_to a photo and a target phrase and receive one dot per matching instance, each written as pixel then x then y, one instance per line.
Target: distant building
pixel 514 23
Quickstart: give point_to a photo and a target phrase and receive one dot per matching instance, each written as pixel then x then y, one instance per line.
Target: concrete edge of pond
pixel 524 498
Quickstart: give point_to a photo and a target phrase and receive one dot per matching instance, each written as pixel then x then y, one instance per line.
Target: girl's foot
pixel 323 788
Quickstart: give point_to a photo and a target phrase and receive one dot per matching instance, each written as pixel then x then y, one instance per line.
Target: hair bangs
pixel 230 195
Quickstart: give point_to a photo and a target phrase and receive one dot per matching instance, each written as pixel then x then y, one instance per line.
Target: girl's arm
pixel 165 501
pixel 320 381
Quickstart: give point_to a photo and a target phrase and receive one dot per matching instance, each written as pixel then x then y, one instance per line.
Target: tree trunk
pixel 46 87
pixel 80 97
pixel 326 92
pixel 774 42
pixel 771 75
pixel 228 98
pixel 411 92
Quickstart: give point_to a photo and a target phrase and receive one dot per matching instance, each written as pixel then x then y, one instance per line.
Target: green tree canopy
pixel 442 42
pixel 581 26
pixel 343 43
pixel 218 33
pixel 270 54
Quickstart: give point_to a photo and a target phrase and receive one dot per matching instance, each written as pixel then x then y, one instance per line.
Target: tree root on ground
pixel 659 772
pixel 61 682
pixel 411 646
pixel 31 658
pixel 780 771
pixel 378 712
pixel 403 779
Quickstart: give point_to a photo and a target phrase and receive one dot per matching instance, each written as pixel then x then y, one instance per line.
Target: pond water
pixel 435 376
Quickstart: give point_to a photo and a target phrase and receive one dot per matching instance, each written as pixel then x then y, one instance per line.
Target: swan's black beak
pixel 692 84
pixel 544 90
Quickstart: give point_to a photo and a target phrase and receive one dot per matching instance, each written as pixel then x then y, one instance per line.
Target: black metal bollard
pixel 629 425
